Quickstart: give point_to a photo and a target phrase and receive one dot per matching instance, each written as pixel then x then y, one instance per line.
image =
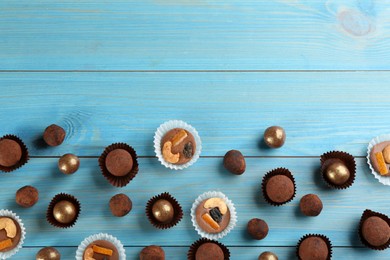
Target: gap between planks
pixel 186 71
pixel 206 157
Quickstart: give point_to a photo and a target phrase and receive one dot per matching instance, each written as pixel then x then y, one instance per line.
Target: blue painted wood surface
pixel 250 64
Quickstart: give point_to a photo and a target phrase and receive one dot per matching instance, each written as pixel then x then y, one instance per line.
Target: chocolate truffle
pixel 257 228
pixel 152 253
pixel 48 253
pixel 10 152
pixel 337 173
pixel 313 248
pixel 338 169
pixel 101 250
pixel 54 135
pixel 178 146
pixel 274 136
pixel 68 163
pixel 376 231
pixel 10 233
pixel 278 186
pixel 234 162
pixel 120 205
pixel 209 251
pixel 119 162
pixel 27 196
pixel 163 211
pixel 213 215
pixel 310 205
pixel 267 256
pixel 63 211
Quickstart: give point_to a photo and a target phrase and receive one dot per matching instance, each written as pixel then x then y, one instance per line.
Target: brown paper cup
pixel 272 173
pixel 194 247
pixel 326 239
pixel 118 181
pixel 366 214
pixel 57 198
pixel 22 160
pixel 349 161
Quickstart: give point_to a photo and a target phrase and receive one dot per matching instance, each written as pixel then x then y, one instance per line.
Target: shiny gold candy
pixel 163 211
pixel 64 212
pixel 337 173
pixel 48 253
pixel 274 136
pixel 69 163
pixel 268 256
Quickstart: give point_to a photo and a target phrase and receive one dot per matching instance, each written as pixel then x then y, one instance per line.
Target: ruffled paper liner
pixel 165 128
pixel 177 216
pixel 272 173
pixel 22 160
pixel 101 236
pixel 379 139
pixel 118 181
pixel 10 214
pixel 229 204
pixel 57 198
pixel 349 161
pixel 194 247
pixel 326 239
pixel 366 214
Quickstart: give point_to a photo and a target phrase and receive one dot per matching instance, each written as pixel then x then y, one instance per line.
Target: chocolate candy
pixel 68 163
pixel 257 228
pixel 274 136
pixel 120 205
pixel 310 205
pixel 234 162
pixel 54 135
pixel 27 196
pixel 152 253
pixel 119 162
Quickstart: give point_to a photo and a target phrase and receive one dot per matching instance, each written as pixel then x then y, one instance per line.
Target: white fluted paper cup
pixel 165 128
pixel 229 204
pixel 10 214
pixel 379 139
pixel 101 236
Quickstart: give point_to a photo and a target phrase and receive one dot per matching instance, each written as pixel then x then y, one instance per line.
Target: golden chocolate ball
pixel 268 256
pixel 64 212
pixel 69 163
pixel 386 154
pixel 48 253
pixel 337 173
pixel 274 136
pixel 163 211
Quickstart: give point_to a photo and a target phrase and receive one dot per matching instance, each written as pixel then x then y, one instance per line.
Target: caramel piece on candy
pixel 101 250
pixel 209 220
pixel 5 243
pixel 381 164
pixel 9 226
pixel 179 137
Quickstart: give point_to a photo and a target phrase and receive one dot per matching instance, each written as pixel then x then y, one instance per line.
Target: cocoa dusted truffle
pixel 119 162
pixel 120 205
pixel 54 135
pixel 152 253
pixel 234 162
pixel 374 230
pixel 209 251
pixel 27 196
pixel 310 205
pixel 257 228
pixel 314 247
pixel 13 153
pixel 278 186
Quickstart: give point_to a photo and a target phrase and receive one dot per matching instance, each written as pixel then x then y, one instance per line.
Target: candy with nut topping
pixel 178 146
pixel 213 215
pixel 380 158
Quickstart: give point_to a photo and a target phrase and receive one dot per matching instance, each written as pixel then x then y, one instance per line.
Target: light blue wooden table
pixel 113 71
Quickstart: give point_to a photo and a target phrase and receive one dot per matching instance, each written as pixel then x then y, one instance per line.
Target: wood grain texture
pixel 194 35
pixel 247 253
pixel 338 220
pixel 320 111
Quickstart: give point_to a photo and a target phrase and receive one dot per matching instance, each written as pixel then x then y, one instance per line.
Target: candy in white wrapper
pixel 165 128
pixel 10 214
pixel 379 139
pixel 229 204
pixel 101 236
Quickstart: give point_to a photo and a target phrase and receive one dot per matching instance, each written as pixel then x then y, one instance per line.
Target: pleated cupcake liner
pixel 385 180
pixel 229 204
pixel 177 216
pixel 333 156
pixel 101 236
pixel 269 175
pixel 366 214
pixel 57 198
pixel 10 214
pixel 118 181
pixel 325 238
pixel 191 255
pixel 165 128
pixel 23 160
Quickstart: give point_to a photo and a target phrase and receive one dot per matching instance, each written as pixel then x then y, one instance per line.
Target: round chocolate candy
pixel 68 163
pixel 267 256
pixel 280 188
pixel 376 231
pixel 27 196
pixel 120 205
pixel 163 211
pixel 274 136
pixel 234 162
pixel 10 152
pixel 152 253
pixel 310 205
pixel 54 135
pixel 337 173
pixel 48 253
pixel 119 162
pixel 257 228
pixel 64 212
pixel 209 251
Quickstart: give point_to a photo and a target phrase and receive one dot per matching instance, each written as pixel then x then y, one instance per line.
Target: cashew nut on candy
pixel 9 226
pixel 216 203
pixel 168 155
pixel 88 255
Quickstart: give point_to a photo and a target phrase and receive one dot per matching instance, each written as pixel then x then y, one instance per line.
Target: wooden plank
pixel 338 220
pixel 247 253
pixel 194 35
pixel 320 111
